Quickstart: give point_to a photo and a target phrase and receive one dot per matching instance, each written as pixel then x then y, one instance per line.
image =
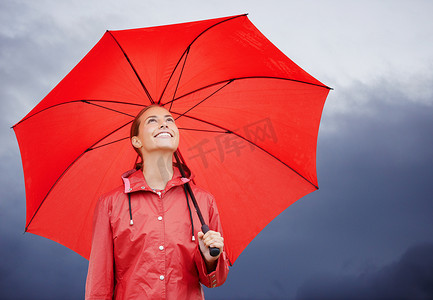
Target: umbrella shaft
pixel 204 227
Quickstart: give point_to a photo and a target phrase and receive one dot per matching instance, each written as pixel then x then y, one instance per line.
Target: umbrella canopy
pixel 248 117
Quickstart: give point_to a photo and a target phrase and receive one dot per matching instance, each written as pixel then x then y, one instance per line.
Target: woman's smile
pixel 164 134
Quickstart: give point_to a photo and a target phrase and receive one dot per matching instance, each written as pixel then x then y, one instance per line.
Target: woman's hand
pixel 210 239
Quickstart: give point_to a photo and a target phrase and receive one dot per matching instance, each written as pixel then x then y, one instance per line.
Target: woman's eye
pixel 151 120
pixel 170 120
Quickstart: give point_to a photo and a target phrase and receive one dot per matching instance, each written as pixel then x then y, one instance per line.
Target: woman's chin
pixel 168 148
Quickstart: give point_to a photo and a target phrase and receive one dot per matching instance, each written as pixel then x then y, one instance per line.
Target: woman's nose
pixel 163 124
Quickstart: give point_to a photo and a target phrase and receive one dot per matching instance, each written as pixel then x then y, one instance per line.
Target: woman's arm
pixel 212 271
pixel 206 241
pixel 100 276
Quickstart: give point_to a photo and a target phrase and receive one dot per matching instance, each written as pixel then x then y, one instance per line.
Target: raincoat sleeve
pixel 219 276
pixel 100 276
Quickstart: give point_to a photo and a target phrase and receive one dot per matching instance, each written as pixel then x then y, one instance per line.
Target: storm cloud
pixel 367 233
pixel 409 278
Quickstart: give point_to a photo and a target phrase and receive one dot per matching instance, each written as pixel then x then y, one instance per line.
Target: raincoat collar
pixel 134 180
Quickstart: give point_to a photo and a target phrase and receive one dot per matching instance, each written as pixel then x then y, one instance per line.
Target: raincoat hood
pixel 133 180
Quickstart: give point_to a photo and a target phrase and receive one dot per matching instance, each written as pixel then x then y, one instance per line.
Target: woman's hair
pixel 135 127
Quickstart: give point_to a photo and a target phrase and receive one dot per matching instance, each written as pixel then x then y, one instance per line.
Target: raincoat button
pixel 159 193
pixel 161 248
pixel 160 218
pixel 161 277
pixel 143 187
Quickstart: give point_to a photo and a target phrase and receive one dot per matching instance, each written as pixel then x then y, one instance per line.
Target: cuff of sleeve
pixel 210 280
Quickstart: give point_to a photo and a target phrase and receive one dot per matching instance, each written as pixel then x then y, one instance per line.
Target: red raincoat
pixel 155 258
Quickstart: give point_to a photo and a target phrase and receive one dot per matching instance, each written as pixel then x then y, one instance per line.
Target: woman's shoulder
pixel 113 195
pixel 202 193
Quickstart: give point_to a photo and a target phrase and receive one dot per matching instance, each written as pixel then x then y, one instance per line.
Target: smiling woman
pixel 155 138
pixel 155 134
pixel 154 256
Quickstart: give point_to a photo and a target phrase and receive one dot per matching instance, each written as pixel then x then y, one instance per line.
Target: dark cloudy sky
pixel 367 233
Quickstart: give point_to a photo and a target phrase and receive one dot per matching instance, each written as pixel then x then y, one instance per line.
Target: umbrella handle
pixel 212 250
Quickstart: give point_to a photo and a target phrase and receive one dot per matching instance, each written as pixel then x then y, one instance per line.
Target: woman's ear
pixel 136 142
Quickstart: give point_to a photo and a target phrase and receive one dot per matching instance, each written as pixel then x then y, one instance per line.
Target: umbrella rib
pixel 87 102
pixel 180 75
pixel 104 107
pixel 111 101
pixel 107 144
pixel 202 130
pixel 231 132
pixel 243 78
pixel 188 49
pixel 227 83
pixel 133 68
pixel 252 143
pixel 70 165
pixel 191 108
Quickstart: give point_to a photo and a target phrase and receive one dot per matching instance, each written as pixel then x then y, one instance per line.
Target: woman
pixel 143 243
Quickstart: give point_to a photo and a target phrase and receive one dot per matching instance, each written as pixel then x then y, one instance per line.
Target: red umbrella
pixel 248 116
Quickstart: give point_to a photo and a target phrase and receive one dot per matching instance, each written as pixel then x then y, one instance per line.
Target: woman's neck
pixel 158 169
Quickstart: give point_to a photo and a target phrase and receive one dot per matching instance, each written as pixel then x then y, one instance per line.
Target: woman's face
pixel 157 131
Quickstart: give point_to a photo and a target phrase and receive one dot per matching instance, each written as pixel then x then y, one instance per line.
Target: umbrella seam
pixel 202 130
pixel 86 102
pixel 180 76
pixel 180 97
pixel 191 108
pixel 252 143
pixel 243 78
pixel 132 66
pixel 64 172
pixel 189 46
pixel 107 144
